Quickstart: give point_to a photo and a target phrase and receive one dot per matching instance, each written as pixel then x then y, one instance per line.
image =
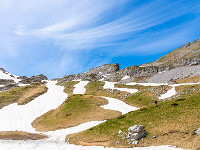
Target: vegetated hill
pixel 171 122
pixel 186 55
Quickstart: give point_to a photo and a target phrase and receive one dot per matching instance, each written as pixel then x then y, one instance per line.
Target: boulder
pixel 136 128
pixel 136 132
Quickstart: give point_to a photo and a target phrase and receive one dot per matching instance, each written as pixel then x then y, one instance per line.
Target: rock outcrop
pixel 186 55
pixel 134 134
pixel 6 81
pixel 94 74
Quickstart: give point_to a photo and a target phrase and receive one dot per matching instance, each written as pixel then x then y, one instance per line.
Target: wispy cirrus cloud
pixel 69 36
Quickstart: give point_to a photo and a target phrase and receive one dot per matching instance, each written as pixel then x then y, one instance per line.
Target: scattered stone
pixel 135 142
pixel 171 81
pixel 153 136
pixel 197 131
pixel 120 131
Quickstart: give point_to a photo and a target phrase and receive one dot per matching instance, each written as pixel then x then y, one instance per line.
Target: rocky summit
pixel 187 57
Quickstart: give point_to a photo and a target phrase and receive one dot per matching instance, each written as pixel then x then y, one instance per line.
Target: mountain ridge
pixel 186 55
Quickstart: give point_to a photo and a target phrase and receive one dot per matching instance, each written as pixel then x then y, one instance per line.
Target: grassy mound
pixel 69 86
pixel 19 135
pixel 21 95
pixel 76 110
pixel 96 88
pixel 172 122
pixel 144 98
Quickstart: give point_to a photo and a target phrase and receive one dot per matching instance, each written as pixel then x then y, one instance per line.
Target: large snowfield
pixel 19 117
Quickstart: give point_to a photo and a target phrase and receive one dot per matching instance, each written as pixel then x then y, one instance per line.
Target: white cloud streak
pixel 77 28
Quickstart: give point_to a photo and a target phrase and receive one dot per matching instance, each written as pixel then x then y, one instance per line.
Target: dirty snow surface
pixel 111 85
pixel 172 91
pixel 38 145
pixel 147 84
pixel 80 87
pixel 125 77
pixel 115 104
pixel 19 117
pixel 169 93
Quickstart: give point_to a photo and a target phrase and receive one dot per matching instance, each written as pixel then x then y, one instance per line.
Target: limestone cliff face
pixel 186 55
pixel 32 79
pixel 94 74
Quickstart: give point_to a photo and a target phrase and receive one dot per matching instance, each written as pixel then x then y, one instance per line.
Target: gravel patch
pixel 177 73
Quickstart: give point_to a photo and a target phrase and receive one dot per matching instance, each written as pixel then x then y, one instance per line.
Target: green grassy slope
pixel 171 120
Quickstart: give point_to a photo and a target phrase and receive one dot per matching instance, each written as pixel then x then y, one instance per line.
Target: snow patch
pixel 19 117
pixel 39 145
pixel 111 85
pixel 172 91
pixel 80 87
pixel 147 84
pixel 59 135
pixel 115 104
pixel 169 93
pixel 125 77
pixel 8 76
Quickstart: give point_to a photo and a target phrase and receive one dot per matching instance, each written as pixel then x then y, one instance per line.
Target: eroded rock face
pixel 94 74
pixel 6 81
pixel 186 55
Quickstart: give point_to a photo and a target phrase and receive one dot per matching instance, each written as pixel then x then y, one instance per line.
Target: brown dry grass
pixel 76 110
pixel 21 95
pixel 20 135
pixel 31 94
pixel 96 88
pixel 69 87
pixel 194 79
pixel 172 125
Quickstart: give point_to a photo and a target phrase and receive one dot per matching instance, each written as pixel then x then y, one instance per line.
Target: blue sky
pixel 63 37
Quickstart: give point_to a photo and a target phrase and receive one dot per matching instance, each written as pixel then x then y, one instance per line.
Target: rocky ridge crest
pixel 186 55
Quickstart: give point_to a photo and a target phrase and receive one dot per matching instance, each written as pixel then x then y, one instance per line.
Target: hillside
pixel 89 109
pixel 169 123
